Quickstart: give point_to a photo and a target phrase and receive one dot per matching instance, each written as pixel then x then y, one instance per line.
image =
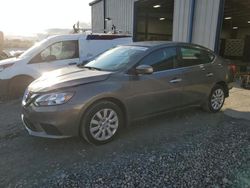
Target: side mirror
pixel 144 69
pixel 50 58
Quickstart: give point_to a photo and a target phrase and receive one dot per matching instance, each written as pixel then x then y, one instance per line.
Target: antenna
pixel 78 29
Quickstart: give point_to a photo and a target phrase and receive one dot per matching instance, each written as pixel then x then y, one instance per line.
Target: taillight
pixel 233 69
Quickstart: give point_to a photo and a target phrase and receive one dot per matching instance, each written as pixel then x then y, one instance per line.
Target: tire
pixel 215 100
pixel 102 122
pixel 17 87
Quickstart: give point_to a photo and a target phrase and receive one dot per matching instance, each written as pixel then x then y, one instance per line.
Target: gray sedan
pixel 126 83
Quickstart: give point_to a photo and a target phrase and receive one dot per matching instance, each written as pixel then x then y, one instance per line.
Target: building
pixel 221 25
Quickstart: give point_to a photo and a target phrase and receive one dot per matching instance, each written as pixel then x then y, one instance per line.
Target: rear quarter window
pixel 192 56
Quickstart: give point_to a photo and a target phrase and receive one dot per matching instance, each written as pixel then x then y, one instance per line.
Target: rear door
pixel 159 91
pixel 197 74
pixel 57 55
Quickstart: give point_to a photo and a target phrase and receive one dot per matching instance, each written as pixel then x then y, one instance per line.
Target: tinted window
pixel 160 60
pixel 58 51
pixel 192 57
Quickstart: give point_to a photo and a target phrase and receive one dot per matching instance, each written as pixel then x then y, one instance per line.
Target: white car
pixel 52 53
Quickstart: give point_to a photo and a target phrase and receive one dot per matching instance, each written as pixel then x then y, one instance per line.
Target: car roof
pixel 158 44
pixel 84 36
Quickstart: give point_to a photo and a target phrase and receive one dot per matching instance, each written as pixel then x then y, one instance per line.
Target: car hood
pixel 67 77
pixel 9 61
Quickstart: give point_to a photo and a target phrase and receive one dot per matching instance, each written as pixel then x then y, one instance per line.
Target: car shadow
pixel 237 114
pixel 164 131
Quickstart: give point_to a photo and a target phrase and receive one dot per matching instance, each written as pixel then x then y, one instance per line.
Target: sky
pixel 28 17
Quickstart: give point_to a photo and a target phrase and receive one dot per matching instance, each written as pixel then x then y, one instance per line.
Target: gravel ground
pixel 189 148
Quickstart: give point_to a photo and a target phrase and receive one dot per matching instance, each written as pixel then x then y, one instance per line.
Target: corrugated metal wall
pixel 97 17
pixel 205 22
pixel 204 25
pixel 181 23
pixel 121 14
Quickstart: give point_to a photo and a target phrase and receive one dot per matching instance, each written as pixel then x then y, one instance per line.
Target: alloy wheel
pixel 104 124
pixel 217 99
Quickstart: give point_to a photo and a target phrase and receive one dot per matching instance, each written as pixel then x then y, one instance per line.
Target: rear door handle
pixel 210 74
pixel 176 80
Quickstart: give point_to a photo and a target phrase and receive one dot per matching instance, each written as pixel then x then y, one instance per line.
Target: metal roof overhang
pixel 94 2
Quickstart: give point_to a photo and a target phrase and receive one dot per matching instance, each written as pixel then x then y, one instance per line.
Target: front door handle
pixel 175 80
pixel 210 74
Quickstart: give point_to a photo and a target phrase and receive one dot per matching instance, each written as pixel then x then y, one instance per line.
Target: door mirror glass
pixel 144 69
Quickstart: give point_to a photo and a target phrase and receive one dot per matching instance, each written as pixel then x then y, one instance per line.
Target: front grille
pixel 50 129
pixel 29 124
pixel 29 98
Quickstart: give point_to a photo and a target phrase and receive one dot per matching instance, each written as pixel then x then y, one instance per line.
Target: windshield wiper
pixel 91 68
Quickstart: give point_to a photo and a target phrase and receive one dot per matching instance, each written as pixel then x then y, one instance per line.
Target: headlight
pixel 53 99
pixel 2 67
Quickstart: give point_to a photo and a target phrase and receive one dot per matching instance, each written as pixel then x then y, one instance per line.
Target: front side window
pixel 58 51
pixel 191 56
pixel 160 60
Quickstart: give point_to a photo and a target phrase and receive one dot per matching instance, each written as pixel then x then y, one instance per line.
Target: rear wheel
pixel 17 86
pixel 101 123
pixel 216 99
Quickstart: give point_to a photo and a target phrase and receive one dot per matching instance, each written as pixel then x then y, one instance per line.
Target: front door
pixel 159 91
pixel 57 55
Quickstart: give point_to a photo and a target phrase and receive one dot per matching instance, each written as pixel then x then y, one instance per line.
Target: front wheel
pixel 101 123
pixel 216 99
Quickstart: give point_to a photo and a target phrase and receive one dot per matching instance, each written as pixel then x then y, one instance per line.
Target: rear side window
pixel 191 56
pixel 160 60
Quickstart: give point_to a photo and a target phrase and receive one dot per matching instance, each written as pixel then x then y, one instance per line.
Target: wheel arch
pixel 224 85
pixel 20 77
pixel 118 103
pixel 19 81
pixel 115 100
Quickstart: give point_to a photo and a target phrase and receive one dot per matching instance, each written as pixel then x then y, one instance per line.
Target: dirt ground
pixel 189 148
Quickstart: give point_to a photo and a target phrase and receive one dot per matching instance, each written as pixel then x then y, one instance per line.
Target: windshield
pixel 31 49
pixel 116 58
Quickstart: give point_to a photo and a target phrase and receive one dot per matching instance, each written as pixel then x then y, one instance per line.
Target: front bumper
pixel 60 121
pixel 41 133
